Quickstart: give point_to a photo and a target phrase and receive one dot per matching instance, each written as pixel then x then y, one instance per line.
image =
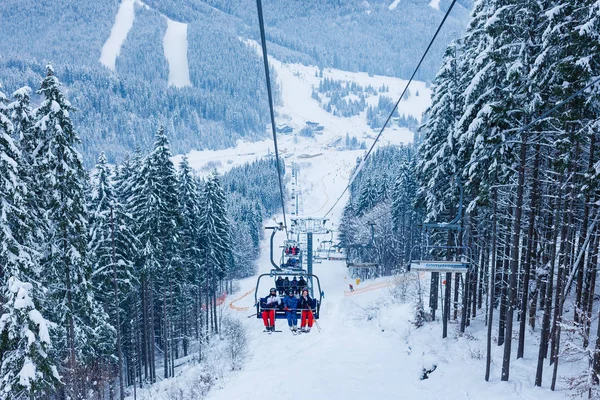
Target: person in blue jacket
pixel 290 305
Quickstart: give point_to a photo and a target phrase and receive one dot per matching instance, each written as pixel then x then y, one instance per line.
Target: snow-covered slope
pixel 365 345
pixel 118 34
pixel 296 82
pixel 174 43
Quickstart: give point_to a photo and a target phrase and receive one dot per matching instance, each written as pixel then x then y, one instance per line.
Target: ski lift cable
pixel 362 162
pixel 266 61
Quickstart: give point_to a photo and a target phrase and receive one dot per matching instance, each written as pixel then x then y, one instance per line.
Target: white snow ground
pixel 175 45
pixel 118 34
pixel 367 347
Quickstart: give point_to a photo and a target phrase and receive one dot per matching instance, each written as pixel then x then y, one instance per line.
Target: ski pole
pixel 314 319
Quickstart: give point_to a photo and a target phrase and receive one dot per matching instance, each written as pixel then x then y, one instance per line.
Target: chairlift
pixel 291 256
pixel 428 257
pixel 267 281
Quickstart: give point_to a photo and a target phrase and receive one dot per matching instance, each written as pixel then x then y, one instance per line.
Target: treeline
pixel 383 193
pixel 530 190
pixel 109 279
pixel 531 194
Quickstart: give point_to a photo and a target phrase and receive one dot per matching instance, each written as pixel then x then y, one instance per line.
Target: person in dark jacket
pixel 290 305
pixel 307 318
pixel 301 283
pixel 269 304
pixel 294 284
pixel 279 285
pixel 286 284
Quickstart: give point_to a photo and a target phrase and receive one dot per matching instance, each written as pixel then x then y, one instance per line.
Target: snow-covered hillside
pixel 365 345
pixel 174 43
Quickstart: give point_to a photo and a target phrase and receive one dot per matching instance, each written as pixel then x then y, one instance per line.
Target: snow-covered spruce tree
pixel 404 214
pixel 127 187
pixel 367 197
pixel 570 53
pixel 26 370
pixel 82 335
pixel 189 248
pixel 111 249
pixel 437 164
pixel 216 231
pixel 159 222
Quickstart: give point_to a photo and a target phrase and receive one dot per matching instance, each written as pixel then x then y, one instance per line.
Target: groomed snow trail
pixel 175 45
pixel 118 34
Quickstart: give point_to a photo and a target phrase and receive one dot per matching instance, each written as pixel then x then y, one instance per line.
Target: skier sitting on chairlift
pixel 270 302
pixel 290 304
pixel 279 285
pixel 301 283
pixel 305 304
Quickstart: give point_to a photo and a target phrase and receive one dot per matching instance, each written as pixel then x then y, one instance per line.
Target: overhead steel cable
pixel 266 61
pixel 362 162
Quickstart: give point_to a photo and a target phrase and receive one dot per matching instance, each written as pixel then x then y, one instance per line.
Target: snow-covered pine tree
pixel 82 334
pixel 26 370
pixel 216 231
pixel 159 221
pixel 111 249
pixel 189 247
pixel 404 214
pixel 438 151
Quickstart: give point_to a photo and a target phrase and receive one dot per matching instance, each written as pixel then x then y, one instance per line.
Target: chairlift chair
pixel 267 281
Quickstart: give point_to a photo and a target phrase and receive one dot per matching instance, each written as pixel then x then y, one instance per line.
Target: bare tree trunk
pixel 548 260
pixel 579 308
pixel 165 339
pixel 529 251
pixel 491 286
pixel 504 283
pixel 514 261
pixel 563 262
pixel 117 313
pixel 590 284
pixel 152 334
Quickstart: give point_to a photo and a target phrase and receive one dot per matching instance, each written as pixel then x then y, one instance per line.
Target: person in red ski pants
pixel 307 318
pixel 268 315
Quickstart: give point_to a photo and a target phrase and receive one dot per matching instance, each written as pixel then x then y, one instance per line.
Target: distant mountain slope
pixel 121 110
pixel 224 99
pixel 354 35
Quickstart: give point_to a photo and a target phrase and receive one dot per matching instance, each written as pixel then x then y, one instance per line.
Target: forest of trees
pixel 531 195
pixel 107 279
pixel 119 110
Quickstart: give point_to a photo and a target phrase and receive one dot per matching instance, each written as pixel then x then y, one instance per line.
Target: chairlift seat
pixel 438 266
pixel 280 313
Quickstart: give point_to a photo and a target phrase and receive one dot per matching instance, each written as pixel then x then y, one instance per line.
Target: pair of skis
pixel 269 331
